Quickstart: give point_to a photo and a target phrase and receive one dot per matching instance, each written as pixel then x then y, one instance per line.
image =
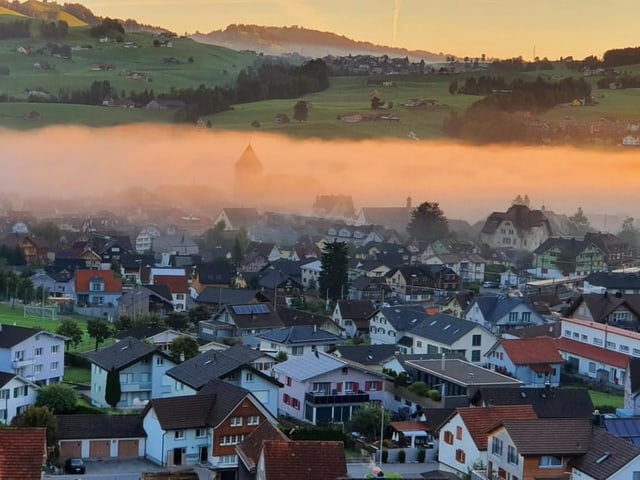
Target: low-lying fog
pixel 468 181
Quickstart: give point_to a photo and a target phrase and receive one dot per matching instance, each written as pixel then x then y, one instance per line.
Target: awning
pixel 542 368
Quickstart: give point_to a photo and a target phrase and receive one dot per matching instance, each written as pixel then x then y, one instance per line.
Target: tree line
pixel 15 29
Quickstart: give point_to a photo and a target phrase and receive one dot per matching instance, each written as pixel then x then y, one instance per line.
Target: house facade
pixel 502 313
pixel 34 355
pixel 16 396
pixel 568 257
pixel 319 388
pixel 534 361
pixel 469 267
pixel 390 324
pixel 97 293
pixel 353 316
pixel 141 369
pixel 518 228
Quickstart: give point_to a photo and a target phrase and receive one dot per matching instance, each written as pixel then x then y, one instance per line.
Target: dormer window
pixel 96 285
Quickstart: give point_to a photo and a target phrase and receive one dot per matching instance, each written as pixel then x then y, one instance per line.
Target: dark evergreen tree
pixel 334 278
pixel 428 223
pixel 113 391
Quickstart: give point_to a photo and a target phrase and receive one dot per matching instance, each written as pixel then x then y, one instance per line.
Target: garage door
pixel 99 449
pixel 70 449
pixel 127 449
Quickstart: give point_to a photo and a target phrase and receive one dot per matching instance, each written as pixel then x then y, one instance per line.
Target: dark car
pixel 74 465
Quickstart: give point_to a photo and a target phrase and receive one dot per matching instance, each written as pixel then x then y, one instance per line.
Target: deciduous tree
pixel 98 330
pixel 70 329
pixel 301 111
pixel 183 348
pixel 58 397
pixel 579 223
pixel 38 417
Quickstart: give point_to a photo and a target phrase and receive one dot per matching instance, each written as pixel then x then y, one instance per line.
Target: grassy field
pixel 15 316
pixel 601 398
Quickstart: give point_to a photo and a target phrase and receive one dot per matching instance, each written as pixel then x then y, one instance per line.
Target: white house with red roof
pixel 462 441
pixel 178 286
pixel 97 292
pixel 535 361
pixel 597 350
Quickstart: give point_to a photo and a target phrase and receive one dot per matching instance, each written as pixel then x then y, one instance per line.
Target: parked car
pixel 74 465
pixel 490 284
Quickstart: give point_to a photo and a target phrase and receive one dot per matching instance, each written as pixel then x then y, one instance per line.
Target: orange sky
pixel 499 28
pixel 468 182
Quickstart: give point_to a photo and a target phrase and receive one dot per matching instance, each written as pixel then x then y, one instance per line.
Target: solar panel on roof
pixel 250 309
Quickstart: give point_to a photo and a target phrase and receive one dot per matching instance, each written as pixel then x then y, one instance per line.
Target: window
pixel 180 296
pixel 448 437
pixel 567 333
pixel 345 370
pixel 179 435
pixel 550 461
pixel 592 367
pixel 496 446
pixel 476 340
pixel 584 338
pixel 145 377
pixel 297 351
pixel 475 355
pixel 624 348
pixel 38 352
pixel 373 386
pixel 37 369
pixel 419 343
pixel 55 349
pixel 526 317
pixel 231 439
pixel 286 399
pixel 20 391
pixel 597 341
pixel 288 381
pixel 459 433
pixel 512 455
pixel 350 386
pixel 461 457
pixel 229 459
pixel 201 432
pixel 236 421
pixel 295 403
pixel 5 394
pixel 513 317
pixel 19 355
pixel 249 377
pixel 253 420
pixel 611 345
pixel 576 335
pixel 159 361
pixel 322 387
pixel 126 378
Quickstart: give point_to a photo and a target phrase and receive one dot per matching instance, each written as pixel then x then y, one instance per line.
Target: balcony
pixel 320 398
pixel 135 387
pixel 23 363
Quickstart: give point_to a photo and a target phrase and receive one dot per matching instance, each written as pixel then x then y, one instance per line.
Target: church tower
pixel 248 175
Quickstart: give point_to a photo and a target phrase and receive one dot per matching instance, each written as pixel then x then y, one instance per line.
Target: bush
pixel 435 395
pixel 605 408
pixel 402 456
pixel 422 455
pixel 87 410
pixel 385 456
pixel 419 388
pixel 76 360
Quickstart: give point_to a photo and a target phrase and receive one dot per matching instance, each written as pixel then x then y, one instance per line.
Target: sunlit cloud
pixel 469 182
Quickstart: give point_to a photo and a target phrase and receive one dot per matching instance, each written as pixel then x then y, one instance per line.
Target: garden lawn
pixel 601 399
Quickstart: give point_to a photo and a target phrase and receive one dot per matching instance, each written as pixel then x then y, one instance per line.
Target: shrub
pixel 422 455
pixel 385 456
pixel 419 388
pixel 402 456
pixel 435 395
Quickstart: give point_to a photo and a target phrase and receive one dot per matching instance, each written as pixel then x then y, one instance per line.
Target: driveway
pixel 111 470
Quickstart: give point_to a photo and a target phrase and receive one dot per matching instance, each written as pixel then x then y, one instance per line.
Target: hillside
pixel 304 41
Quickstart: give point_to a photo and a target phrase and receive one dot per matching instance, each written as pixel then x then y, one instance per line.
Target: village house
pixel 16 396
pixel 353 316
pixel 500 313
pixel 519 228
pixel 567 257
pixel 389 325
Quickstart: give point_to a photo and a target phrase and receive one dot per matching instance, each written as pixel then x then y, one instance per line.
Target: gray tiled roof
pixel 494 307
pixel 550 436
pixel 443 328
pixel 367 354
pixel 300 334
pixel 462 372
pixel 212 365
pixel 127 351
pixel 404 317
pixel 308 366
pixel 11 335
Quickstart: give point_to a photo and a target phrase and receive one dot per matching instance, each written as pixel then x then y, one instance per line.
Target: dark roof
pixel 550 436
pixel 606 455
pixel 11 335
pixel 23 452
pixel 309 460
pixel 569 247
pixel 140 332
pixel 72 427
pixel 356 309
pixel 521 216
pixel 404 317
pixel 127 351
pixel 367 354
pixel 614 280
pixel 254 315
pixel 6 378
pixel 214 273
pixel 249 450
pixel 291 317
pixel 554 403
pixel 213 364
pixel 494 307
pixel 462 372
pixel 552 330
pixel 202 410
pixel 443 328
pixel 300 334
pixel 603 305
pixel 225 296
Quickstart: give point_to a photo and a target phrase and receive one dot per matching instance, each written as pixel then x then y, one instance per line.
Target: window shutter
pixel 356 387
pixel 339 387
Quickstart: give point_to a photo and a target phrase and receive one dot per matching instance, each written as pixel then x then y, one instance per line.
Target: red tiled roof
pixel 597 354
pixel 528 351
pixel 112 284
pixel 23 451
pixel 249 449
pixel 176 283
pixel 479 419
pixel 308 460
pixel 409 426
